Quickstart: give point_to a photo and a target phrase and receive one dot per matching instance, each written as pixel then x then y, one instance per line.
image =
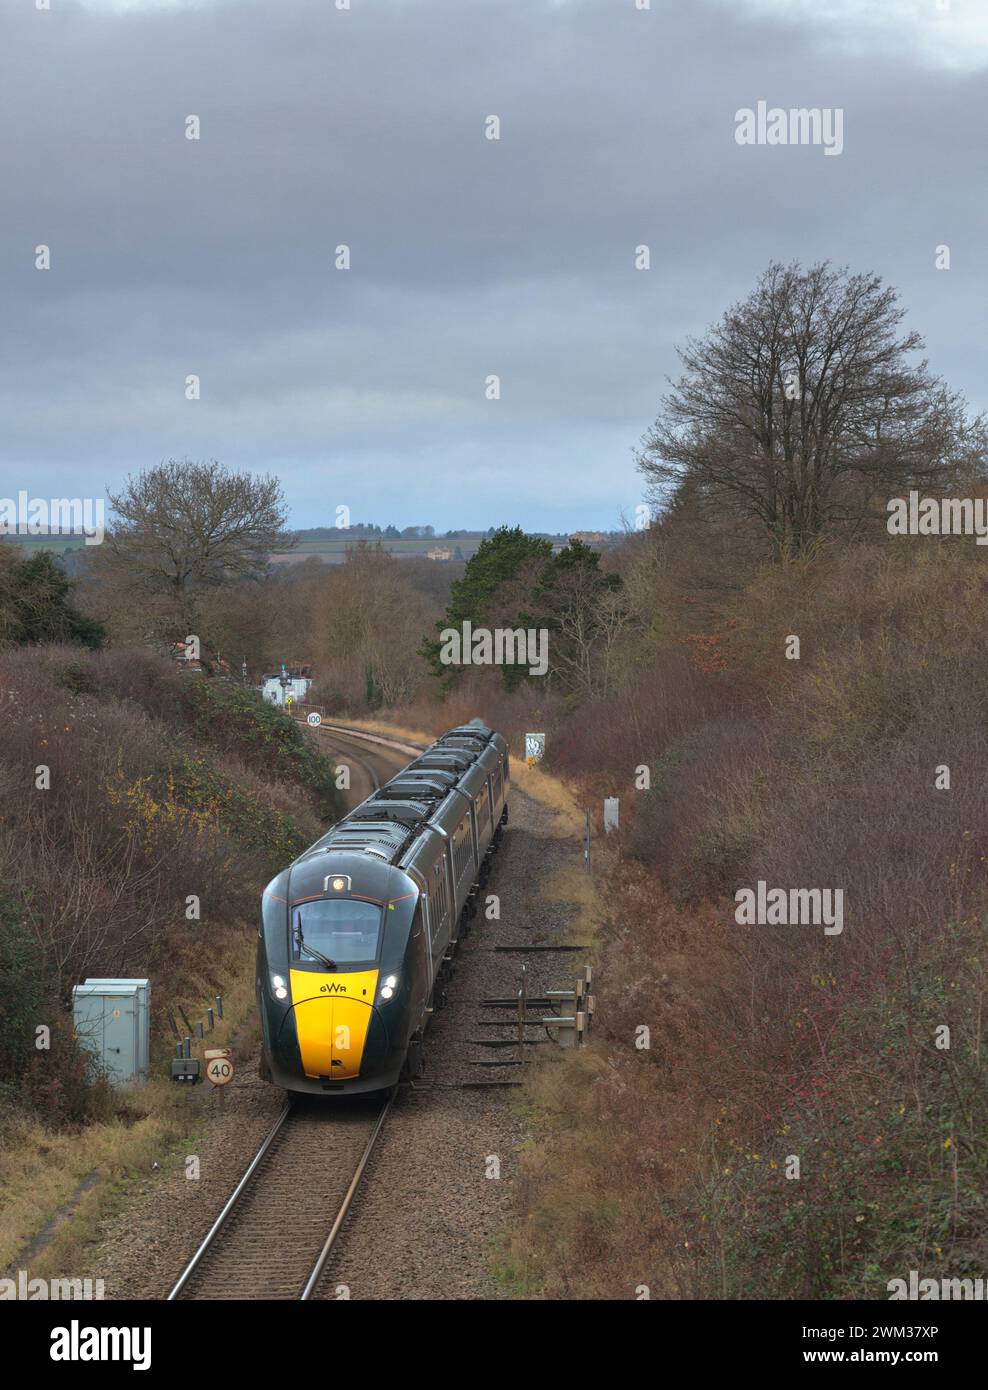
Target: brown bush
pixel 770 1041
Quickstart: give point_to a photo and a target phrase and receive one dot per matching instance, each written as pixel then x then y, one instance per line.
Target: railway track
pixel 283 1220
pixel 372 762
pixel 281 1224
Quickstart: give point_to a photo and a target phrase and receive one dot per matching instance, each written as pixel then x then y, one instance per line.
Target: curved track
pixel 370 763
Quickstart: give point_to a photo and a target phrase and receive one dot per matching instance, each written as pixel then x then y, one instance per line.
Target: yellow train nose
pixel 332 1015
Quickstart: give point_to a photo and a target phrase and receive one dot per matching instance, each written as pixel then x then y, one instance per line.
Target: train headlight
pixel 389 987
pixel 279 987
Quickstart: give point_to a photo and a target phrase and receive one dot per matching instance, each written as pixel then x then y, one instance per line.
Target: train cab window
pixel 335 931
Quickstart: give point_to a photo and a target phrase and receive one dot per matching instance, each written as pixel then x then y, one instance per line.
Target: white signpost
pixel 314 719
pixel 610 813
pixel 534 748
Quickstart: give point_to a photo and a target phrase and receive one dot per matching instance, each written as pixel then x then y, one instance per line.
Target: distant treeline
pixel 363 530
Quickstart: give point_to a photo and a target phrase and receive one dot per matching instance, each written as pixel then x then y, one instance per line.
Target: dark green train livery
pixel 358 934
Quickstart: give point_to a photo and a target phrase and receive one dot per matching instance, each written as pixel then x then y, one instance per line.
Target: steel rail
pixel 349 753
pixel 324 1254
pixel 231 1202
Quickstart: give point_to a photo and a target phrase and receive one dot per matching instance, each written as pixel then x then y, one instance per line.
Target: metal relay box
pixel 112 1019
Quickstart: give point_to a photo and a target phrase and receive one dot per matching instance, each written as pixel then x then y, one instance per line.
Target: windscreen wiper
pixel 311 950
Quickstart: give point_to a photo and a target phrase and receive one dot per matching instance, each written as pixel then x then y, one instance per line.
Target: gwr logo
pixel 332 989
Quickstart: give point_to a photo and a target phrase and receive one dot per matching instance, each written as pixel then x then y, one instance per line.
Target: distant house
pixel 208 664
pixel 295 689
pixel 440 553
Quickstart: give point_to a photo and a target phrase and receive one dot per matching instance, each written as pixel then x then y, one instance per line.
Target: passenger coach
pixel 358 934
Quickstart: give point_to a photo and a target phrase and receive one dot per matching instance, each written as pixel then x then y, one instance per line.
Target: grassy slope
pixel 162 785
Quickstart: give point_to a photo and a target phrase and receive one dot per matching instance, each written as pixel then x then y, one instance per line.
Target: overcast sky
pixel 469 256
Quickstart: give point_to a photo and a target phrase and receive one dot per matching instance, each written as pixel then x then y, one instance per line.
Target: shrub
pixel 776 1041
pixel 143 811
pixel 264 738
pixel 22 983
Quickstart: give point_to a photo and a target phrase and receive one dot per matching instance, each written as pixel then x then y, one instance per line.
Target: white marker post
pixel 534 748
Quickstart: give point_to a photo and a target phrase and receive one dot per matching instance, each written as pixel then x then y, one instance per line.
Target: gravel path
pixel 430 1210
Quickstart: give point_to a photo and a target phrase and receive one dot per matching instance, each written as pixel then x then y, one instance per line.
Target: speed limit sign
pixel 315 718
pixel 219 1070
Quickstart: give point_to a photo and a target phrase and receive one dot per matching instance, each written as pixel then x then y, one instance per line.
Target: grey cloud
pixel 469 257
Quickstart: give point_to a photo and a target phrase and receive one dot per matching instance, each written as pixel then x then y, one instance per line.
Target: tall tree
pixel 804 404
pixel 364 623
pixel 183 527
pixel 501 556
pixel 584 612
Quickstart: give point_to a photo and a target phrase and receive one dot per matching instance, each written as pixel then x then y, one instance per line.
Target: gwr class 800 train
pixel 357 934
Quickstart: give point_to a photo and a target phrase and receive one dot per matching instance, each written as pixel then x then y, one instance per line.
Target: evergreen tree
pixel 35 606
pixel 498 560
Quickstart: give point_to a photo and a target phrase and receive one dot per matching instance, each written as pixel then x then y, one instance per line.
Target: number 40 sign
pixel 219 1067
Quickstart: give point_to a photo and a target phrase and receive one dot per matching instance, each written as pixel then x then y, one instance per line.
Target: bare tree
pixel 367 622
pixel 801 406
pixel 183 527
pixel 589 620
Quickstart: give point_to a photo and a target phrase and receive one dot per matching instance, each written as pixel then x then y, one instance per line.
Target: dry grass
pixel 572 885
pixel 385 728
pixel 554 796
pixel 41 1170
pixel 613 1122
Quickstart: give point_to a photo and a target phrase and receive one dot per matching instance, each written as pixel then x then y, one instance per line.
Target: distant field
pixel 55 543
pixel 333 552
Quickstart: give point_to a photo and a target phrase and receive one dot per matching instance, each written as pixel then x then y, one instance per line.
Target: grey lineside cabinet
pixel 112 1020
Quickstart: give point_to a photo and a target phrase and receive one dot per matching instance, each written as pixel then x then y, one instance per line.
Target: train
pixel 358 934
